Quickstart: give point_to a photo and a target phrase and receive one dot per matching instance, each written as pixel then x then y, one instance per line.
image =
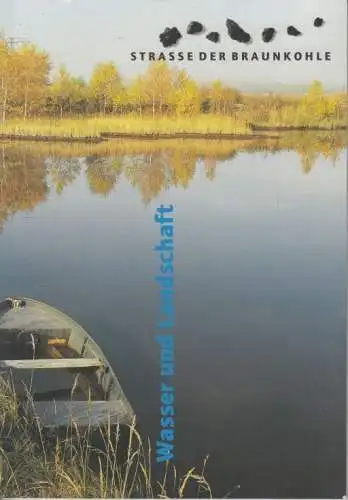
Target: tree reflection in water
pixel 26 168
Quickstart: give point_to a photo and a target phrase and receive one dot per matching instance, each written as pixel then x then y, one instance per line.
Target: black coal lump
pixel 319 22
pixel 236 32
pixel 195 28
pixel 170 37
pixel 214 36
pixel 292 31
pixel 268 34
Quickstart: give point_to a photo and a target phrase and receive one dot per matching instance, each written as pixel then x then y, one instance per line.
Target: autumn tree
pixel 136 95
pixel 67 92
pixel 314 103
pixel 105 86
pixel 78 96
pixel 158 86
pixel 32 69
pixel 221 99
pixel 216 96
pixel 187 95
pixel 315 90
pixel 8 75
pixel 232 100
pixel 61 89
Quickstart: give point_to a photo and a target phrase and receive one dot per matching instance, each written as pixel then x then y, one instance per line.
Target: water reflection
pixel 23 183
pixel 63 171
pixel 150 168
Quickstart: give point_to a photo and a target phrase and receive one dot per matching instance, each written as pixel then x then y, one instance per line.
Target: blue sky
pixel 80 33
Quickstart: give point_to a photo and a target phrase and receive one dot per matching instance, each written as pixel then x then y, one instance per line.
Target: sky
pixel 81 33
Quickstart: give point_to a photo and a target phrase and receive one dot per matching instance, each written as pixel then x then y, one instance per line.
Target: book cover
pixel 173 248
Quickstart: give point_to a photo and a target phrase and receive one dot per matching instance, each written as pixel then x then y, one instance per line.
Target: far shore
pixel 153 137
pixel 286 128
pixel 95 129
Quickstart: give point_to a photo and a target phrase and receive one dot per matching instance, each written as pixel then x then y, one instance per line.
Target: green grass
pixel 70 466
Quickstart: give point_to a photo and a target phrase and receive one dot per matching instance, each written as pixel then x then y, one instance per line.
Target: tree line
pixel 30 88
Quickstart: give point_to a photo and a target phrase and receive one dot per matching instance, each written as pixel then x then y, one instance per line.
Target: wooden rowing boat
pixel 36 337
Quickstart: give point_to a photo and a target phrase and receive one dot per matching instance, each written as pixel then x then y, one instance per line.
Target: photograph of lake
pixel 173 247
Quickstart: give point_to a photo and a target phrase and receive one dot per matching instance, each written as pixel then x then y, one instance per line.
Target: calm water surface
pixel 260 301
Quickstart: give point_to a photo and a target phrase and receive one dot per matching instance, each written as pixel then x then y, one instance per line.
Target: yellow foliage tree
pixel 32 68
pixel 158 86
pixel 136 94
pixel 8 75
pixel 187 95
pixel 105 85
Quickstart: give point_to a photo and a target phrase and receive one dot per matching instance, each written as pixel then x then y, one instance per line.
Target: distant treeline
pixel 29 88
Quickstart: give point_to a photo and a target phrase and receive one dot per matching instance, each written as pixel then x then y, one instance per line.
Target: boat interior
pixel 57 361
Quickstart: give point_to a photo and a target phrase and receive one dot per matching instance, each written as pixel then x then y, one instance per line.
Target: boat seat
pixel 47 364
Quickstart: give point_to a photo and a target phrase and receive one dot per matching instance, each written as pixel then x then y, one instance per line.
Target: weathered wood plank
pixel 35 364
pixel 61 413
pixel 77 342
pixel 87 382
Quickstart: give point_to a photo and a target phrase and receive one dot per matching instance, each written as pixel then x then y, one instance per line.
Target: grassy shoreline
pixel 99 129
pixel 69 464
pixel 127 126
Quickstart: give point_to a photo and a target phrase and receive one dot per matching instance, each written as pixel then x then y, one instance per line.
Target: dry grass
pixel 70 466
pixel 297 116
pixel 94 126
pixel 291 115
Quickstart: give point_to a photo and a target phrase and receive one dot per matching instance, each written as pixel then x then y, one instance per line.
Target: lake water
pixel 260 253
